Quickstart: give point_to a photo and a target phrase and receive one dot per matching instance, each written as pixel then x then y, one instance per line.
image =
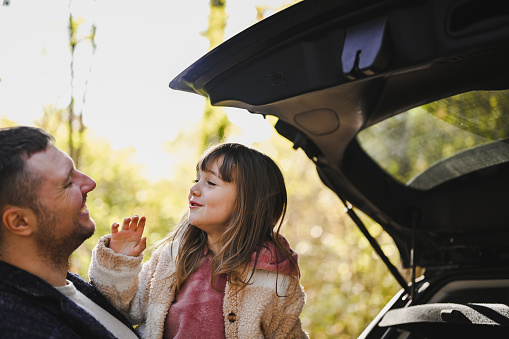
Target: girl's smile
pixel 194 204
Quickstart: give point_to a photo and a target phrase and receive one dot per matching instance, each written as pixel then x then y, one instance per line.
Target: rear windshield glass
pixel 442 140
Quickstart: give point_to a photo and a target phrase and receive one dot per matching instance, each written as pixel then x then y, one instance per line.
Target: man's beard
pixel 54 247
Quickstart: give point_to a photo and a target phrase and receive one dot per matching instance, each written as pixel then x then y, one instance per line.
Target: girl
pixel 225 272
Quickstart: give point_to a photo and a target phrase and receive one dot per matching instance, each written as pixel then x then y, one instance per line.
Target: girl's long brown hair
pixel 256 220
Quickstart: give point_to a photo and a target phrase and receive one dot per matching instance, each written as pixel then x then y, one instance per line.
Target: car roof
pixel 330 69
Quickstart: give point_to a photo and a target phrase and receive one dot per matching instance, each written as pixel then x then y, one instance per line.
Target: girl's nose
pixel 194 190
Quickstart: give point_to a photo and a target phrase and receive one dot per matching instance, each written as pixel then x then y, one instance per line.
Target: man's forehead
pixel 51 161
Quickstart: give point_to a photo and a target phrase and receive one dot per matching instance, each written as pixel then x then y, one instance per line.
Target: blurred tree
pixel 74 109
pixel 214 123
pixel 4 122
pixel 122 191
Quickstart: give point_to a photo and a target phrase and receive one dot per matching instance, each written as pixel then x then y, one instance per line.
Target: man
pixel 44 218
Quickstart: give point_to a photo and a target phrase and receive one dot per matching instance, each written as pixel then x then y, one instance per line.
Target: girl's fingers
pixel 141 223
pixel 143 244
pixel 135 224
pixel 125 225
pixel 138 224
pixel 114 227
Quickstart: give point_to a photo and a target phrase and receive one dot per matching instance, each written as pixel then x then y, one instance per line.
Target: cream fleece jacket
pixel 145 292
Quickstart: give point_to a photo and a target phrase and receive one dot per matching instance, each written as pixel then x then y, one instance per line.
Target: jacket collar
pixel 26 282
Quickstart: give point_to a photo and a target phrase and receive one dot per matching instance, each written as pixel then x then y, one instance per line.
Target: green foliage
pixel 214 123
pixel 217 23
pixel 122 191
pixel 213 126
pixel 478 112
pixel 4 122
pixel 409 143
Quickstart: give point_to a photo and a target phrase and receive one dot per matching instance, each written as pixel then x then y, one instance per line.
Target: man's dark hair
pixel 17 144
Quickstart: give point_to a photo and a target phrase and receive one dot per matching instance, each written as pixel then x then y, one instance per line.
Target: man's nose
pixel 87 183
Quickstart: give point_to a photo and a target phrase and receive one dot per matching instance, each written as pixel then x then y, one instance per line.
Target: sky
pixel 141 47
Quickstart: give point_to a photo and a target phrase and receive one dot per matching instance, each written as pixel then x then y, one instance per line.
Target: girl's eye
pixel 211 183
pixel 195 181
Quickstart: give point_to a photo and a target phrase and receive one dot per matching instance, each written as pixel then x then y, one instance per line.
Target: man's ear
pixel 18 220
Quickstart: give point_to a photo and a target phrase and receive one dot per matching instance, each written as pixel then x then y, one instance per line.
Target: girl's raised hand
pixel 129 239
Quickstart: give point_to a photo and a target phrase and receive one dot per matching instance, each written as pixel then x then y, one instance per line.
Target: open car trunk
pixel 350 82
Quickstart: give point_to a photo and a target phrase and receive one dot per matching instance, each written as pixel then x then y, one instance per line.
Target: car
pixel 403 106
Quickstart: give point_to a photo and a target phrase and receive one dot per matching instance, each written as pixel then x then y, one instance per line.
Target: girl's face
pixel 211 201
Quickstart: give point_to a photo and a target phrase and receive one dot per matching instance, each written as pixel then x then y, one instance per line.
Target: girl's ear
pixel 19 221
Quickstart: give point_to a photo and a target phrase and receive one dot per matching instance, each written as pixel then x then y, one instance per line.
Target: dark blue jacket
pixel 32 308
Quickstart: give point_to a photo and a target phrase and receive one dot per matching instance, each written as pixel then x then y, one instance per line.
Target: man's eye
pixel 68 184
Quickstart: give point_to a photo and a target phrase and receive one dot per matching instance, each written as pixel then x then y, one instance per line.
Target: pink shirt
pixel 197 311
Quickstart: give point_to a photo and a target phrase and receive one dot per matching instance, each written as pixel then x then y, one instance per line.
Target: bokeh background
pixel 95 74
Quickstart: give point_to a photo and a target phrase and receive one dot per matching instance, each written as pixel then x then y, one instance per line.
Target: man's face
pixel 63 220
